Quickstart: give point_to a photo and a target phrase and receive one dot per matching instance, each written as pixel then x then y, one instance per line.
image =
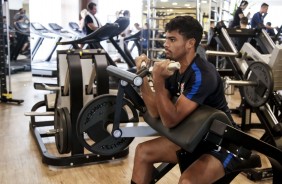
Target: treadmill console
pixel 55 26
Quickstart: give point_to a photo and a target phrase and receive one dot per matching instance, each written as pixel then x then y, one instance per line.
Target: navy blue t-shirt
pixel 200 83
pixel 257 20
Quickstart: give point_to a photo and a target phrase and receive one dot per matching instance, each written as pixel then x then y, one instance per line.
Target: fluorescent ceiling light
pixel 164 0
pixel 174 4
pixel 204 1
pixel 186 4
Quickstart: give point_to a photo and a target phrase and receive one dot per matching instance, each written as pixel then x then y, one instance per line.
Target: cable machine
pixel 6 93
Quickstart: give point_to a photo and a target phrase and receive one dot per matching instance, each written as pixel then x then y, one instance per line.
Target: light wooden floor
pixel 20 161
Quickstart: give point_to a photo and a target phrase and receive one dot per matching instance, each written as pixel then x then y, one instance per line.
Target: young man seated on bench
pixel 196 83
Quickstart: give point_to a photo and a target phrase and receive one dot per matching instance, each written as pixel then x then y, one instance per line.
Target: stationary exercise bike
pixel 108 124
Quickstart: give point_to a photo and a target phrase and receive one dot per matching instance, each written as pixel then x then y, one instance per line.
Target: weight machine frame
pixel 267 118
pixel 76 90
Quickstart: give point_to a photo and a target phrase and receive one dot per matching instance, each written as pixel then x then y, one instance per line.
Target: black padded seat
pixel 189 133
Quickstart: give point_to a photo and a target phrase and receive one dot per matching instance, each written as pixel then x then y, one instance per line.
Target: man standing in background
pixel 91 22
pixel 258 17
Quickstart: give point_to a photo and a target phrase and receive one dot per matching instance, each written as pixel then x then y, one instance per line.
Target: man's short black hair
pixel 91 5
pixel 244 20
pixel 243 3
pixel 268 23
pixel 126 13
pixel 187 26
pixel 264 4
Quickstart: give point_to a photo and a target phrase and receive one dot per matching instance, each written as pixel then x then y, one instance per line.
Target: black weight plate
pixel 93 120
pixel 69 129
pixel 61 135
pixel 259 94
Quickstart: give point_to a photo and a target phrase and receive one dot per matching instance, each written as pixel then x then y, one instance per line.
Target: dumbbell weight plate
pixel 69 129
pixel 93 121
pixel 261 73
pixel 62 127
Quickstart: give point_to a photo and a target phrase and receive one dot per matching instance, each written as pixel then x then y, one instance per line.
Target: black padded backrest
pixel 189 133
pixel 123 23
pixel 101 34
pixel 136 36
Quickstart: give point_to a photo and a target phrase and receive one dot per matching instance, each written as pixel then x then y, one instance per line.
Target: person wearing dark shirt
pixel 91 21
pixel 241 40
pixel 196 83
pixel 239 14
pixel 257 19
pixel 269 29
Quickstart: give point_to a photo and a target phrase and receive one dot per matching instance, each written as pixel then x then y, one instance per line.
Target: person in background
pixel 127 31
pixel 21 16
pixel 91 22
pixel 269 29
pixel 257 19
pixel 239 14
pixel 241 40
pixel 145 35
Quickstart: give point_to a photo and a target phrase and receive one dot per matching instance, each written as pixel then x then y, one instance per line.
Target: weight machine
pixel 110 120
pixel 258 76
pixel 78 72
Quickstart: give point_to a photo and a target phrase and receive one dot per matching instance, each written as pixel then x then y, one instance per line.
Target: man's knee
pixel 184 180
pixel 141 152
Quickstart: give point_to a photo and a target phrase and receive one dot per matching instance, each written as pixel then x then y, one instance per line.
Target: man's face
pixel 94 10
pixel 264 9
pixel 175 46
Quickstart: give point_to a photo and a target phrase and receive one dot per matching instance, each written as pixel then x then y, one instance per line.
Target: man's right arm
pixel 149 98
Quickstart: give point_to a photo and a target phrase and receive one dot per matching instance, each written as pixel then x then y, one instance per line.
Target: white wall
pixel 15 4
pixel 274 11
pixel 56 11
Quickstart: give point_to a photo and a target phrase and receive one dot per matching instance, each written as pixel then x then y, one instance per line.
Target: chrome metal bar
pixel 241 83
pixel 220 53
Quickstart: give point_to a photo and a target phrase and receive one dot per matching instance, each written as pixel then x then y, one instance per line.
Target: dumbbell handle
pixel 171 67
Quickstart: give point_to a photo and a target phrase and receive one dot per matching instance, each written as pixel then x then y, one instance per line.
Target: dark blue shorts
pixel 229 161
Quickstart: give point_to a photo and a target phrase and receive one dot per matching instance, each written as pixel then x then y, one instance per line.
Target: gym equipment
pixel 22 33
pixel 6 95
pixel 263 71
pixel 77 70
pixel 108 33
pixel 43 67
pixel 106 110
pixel 204 127
pixel 47 66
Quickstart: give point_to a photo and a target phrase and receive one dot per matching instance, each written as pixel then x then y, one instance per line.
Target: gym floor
pixel 20 160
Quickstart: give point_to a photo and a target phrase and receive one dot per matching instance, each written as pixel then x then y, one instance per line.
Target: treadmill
pixel 21 30
pixel 43 67
pixel 48 66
